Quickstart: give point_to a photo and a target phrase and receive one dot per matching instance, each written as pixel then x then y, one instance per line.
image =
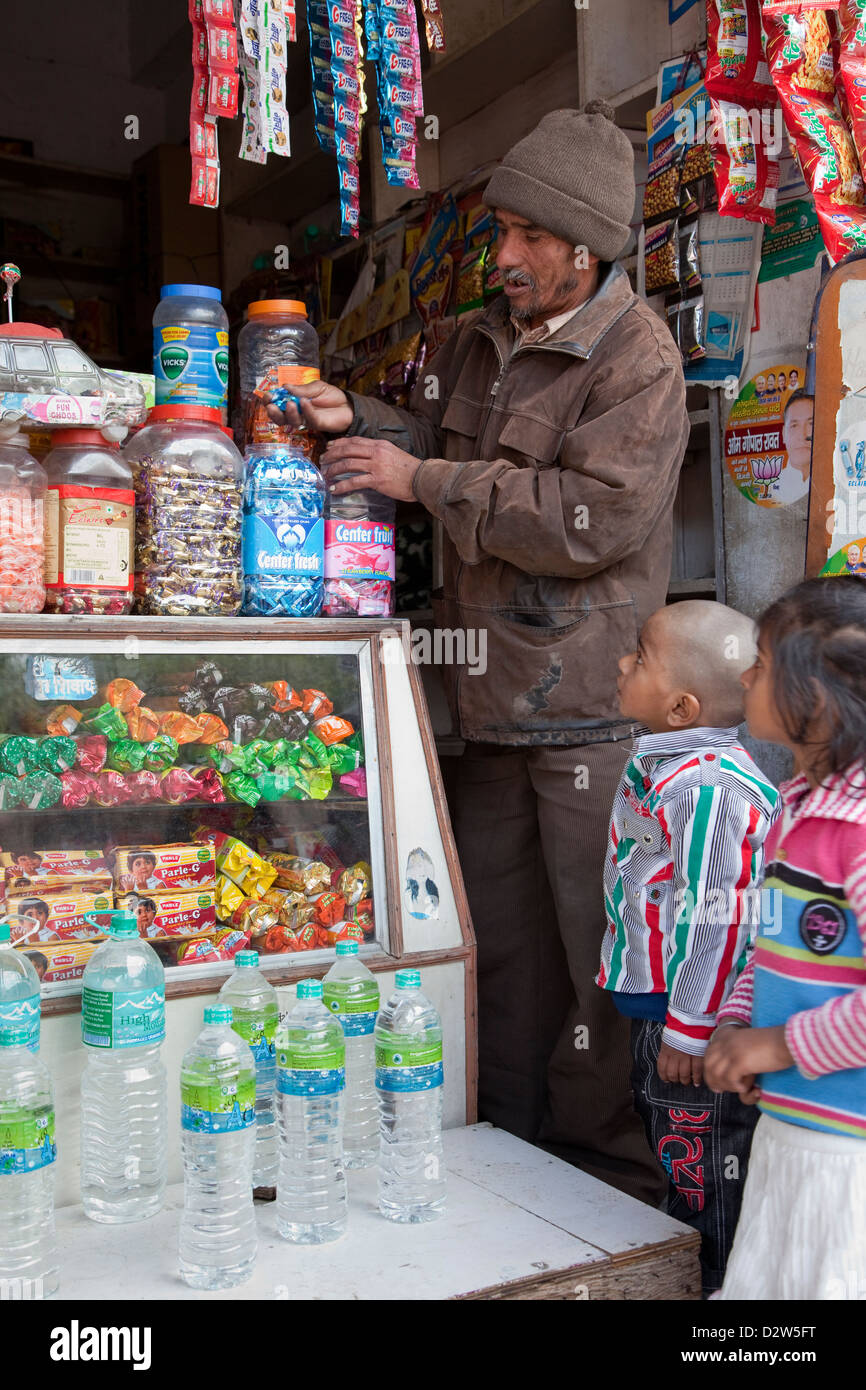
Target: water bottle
pixel 218 1241
pixel 351 992
pixel 255 1012
pixel 19 989
pixel 360 556
pixel 28 1248
pixel 283 533
pixel 123 1089
pixel 409 1082
pixel 311 1079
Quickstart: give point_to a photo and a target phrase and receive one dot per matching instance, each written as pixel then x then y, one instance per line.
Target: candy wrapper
pixel 112 789
pixel 180 727
pixel 107 721
pixel 92 750
pixel 354 883
pixel 63 720
pixel 284 697
pixel 254 917
pixel 210 786
pixel 126 756
pixel 736 65
pixel 434 23
pixel 39 790
pixel 78 789
pixel 10 791
pixel 122 694
pixel 143 787
pixel 177 786
pixel 343 758
pixel 19 755
pixel 329 908
pixel 333 729
pixel 747 176
pixel 211 729
pixel 57 754
pixel 160 753
pixel 228 898
pixel 355 783
pixel 286 904
pixel 143 724
pixel 240 787
pixel 283 783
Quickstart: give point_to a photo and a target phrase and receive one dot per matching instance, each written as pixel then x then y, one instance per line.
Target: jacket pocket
pixel 460 421
pixel 534 440
pixel 544 680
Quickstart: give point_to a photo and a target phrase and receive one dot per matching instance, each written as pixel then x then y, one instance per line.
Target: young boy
pixel 686 836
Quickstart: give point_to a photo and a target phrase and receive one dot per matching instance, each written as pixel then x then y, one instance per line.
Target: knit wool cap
pixel 573 176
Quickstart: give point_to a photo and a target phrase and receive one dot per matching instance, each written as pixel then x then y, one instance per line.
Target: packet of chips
pixel 736 66
pixel 747 176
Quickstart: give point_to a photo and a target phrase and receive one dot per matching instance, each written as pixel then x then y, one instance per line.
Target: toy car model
pixel 46 380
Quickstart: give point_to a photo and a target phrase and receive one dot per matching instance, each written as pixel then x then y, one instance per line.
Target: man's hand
pixel 737 1054
pixel 373 463
pixel 325 408
pixel 679 1068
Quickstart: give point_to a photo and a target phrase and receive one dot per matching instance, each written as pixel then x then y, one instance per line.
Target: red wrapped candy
pixel 111 789
pixel 177 785
pixel 143 786
pixel 330 908
pixel 78 787
pixel 210 785
pixel 92 752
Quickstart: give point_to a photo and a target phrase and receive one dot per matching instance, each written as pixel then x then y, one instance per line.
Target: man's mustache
pixel 518 277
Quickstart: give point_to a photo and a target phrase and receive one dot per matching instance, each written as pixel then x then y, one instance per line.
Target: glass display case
pixel 231 783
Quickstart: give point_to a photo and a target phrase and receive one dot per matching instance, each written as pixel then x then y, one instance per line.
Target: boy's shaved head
pixel 706 647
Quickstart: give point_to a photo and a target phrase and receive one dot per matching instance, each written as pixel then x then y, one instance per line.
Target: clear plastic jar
pixel 278 348
pixel 191 347
pixel 22 529
pixel 189 490
pixel 89 526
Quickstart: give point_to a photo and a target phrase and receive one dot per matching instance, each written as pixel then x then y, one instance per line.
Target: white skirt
pixel 802 1226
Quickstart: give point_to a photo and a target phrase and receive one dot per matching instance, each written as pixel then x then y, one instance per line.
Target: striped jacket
pixel 808 969
pixel 680 881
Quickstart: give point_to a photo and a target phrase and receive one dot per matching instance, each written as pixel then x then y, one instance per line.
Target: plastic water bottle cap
pixel 408 979
pixel 14 1037
pixel 123 925
pixel 310 989
pixel 347 948
pixel 248 959
pixel 218 1015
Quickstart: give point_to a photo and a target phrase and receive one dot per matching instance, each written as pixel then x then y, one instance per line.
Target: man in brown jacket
pixel 551 433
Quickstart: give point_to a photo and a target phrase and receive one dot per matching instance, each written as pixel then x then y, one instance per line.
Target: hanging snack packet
pixel 434 23
pixel 851 73
pixel 747 176
pixel 471 278
pixel 661 258
pixel 736 67
pixel 797 7
pixel 690 257
pixel 661 198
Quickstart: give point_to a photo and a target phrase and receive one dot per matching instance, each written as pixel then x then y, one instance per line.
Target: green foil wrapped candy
pixel 343 758
pixel 240 787
pixel 39 790
pixel 127 756
pixel 108 721
pixel 57 753
pixel 161 753
pixel 10 791
pixel 19 755
pixel 320 781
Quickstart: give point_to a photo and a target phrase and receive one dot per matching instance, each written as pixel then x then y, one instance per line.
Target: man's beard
pixel 536 307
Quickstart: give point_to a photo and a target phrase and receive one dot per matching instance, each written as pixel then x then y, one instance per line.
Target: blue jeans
pixel 702 1141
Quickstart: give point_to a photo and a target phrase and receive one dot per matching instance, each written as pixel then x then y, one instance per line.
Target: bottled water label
pixel 356 1005
pixel 408 1066
pixel 123 1017
pixel 27 1142
pixel 23 1013
pixel 218 1107
pixel 301 1074
pixel 259 1033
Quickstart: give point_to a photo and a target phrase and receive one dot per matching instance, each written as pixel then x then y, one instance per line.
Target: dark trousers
pixel 553 1053
pixel 702 1140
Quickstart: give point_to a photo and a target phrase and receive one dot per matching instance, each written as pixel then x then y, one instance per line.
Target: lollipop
pixel 10 274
